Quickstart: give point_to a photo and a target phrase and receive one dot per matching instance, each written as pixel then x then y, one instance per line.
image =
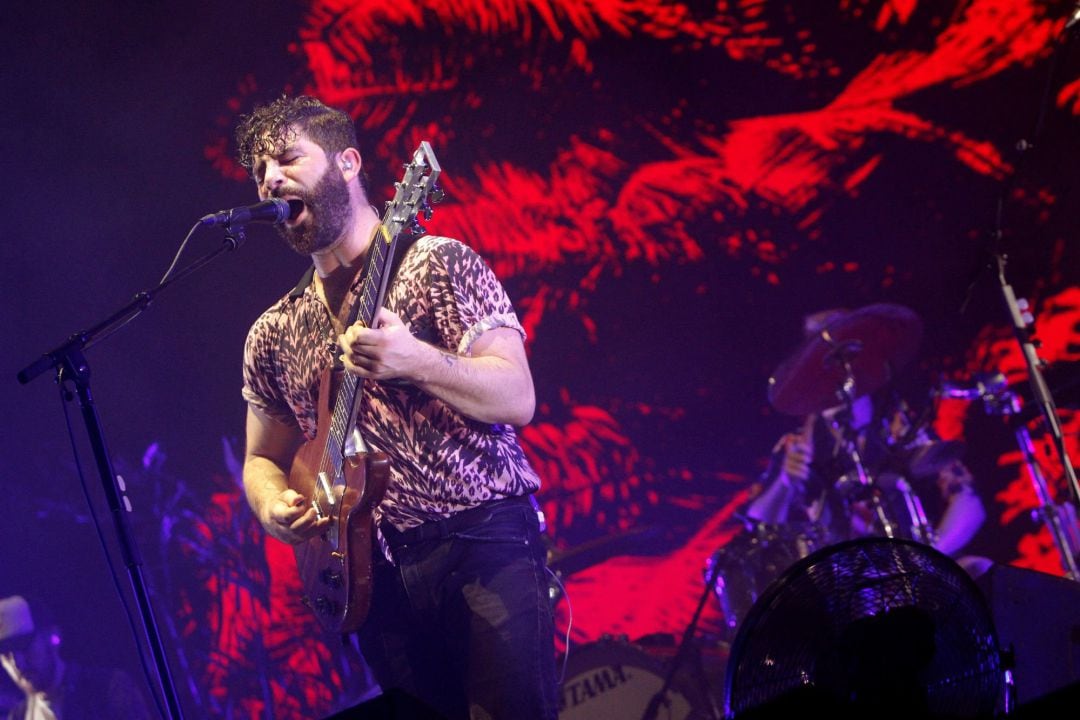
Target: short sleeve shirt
pixel 441 462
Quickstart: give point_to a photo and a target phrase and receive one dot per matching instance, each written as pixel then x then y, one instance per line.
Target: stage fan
pixel 868 628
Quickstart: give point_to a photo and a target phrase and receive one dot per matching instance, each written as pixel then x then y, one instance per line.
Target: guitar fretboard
pixel 370 298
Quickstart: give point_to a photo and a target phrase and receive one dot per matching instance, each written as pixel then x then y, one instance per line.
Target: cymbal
pixel 876 341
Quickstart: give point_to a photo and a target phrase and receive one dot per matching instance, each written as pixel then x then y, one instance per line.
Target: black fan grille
pixel 874 621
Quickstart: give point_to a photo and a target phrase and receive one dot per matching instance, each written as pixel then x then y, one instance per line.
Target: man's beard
pixel 328 213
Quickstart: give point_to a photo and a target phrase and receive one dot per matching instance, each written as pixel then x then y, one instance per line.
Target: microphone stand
pixel 1045 402
pixel 1017 311
pixel 71 366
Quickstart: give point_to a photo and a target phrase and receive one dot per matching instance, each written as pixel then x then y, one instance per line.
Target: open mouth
pixel 297 210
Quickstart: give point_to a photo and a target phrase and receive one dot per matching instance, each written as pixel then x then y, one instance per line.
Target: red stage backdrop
pixel 666 189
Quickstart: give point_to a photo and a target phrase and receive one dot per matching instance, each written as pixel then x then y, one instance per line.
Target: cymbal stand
pixel 843 354
pixel 921 529
pixel 1049 512
pixel 905 436
pixel 683 653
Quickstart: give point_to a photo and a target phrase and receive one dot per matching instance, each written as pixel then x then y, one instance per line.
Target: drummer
pixel 812 478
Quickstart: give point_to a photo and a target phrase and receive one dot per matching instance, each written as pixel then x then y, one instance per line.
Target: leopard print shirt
pixel 441 461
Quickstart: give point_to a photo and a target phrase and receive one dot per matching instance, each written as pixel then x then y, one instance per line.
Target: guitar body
pixel 335 567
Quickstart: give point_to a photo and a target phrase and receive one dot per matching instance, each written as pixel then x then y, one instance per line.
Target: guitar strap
pixel 401 247
pixel 404 244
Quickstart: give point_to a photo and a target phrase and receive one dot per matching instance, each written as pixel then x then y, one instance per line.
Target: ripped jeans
pixel 463 620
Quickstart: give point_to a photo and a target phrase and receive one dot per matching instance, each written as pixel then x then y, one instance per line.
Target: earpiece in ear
pixel 346 165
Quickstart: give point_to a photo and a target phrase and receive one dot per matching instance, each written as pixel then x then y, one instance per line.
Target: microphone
pixel 274 211
pixel 983 385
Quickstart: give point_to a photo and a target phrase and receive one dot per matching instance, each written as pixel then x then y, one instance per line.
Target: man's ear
pixel 349 162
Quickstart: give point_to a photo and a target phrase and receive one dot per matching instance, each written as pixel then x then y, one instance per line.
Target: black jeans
pixel 463 622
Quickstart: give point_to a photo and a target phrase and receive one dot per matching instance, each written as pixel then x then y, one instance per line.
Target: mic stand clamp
pixel 234 238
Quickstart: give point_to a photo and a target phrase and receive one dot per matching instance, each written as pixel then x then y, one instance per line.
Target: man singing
pixel 459 617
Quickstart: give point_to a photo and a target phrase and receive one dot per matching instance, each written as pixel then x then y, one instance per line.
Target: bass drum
pixel 612 679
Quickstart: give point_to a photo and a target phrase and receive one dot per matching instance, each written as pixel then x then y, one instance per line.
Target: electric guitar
pixel 335 470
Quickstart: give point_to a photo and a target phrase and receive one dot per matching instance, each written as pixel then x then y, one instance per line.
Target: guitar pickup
pixel 325 606
pixel 332 578
pixel 354 443
pixel 328 490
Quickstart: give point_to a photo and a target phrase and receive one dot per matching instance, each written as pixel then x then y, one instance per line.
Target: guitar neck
pixel 410 197
pixel 370 298
pixel 376 275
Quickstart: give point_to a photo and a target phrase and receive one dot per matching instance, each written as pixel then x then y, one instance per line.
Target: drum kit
pixel 847 359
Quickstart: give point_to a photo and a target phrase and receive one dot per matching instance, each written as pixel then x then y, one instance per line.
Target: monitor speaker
pixel 1037 617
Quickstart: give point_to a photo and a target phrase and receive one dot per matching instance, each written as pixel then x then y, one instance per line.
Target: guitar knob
pixel 331 578
pixel 325 605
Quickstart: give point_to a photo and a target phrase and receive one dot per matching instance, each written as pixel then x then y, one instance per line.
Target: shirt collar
pixel 301 286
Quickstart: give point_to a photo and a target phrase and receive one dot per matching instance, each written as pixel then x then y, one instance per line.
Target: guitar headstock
pixel 414 194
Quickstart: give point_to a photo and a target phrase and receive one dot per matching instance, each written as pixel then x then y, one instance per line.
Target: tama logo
pixel 592 685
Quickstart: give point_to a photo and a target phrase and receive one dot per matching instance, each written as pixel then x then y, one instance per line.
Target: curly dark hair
pixel 271 126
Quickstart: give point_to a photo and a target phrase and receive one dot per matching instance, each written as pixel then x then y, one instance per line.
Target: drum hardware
pixel 854 355
pixel 1021 317
pixel 842 423
pixel 714 568
pixel 612 678
pixel 918 449
pixel 1060 520
pixel 861 350
pixel 563 562
pixel 567 561
pixel 921 529
pixel 928 460
pixel 742 569
pixel 687 651
pixel 919 453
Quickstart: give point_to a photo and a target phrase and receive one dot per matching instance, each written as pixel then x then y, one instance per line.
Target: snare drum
pixel 614 679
